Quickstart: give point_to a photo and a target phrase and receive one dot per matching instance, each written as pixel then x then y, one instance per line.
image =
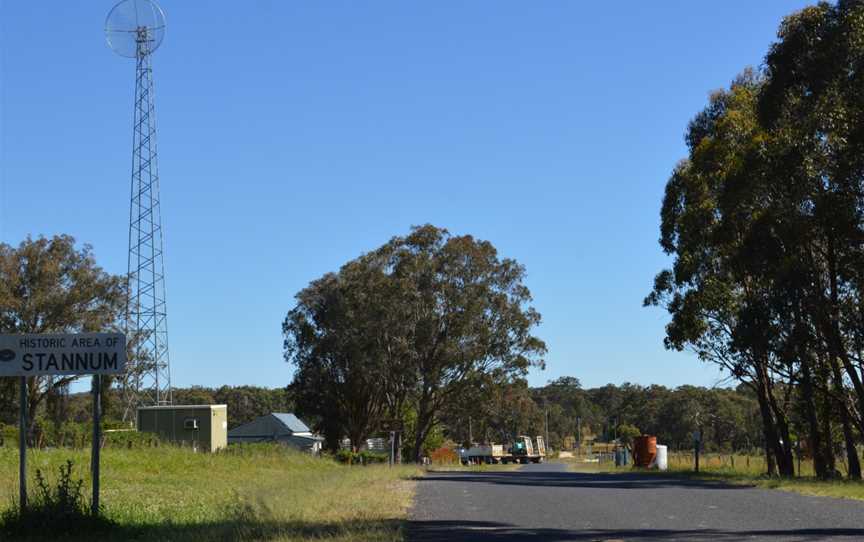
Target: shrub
pixel 627 432
pixel 57 511
pixel 345 456
pixel 360 458
pixel 444 456
pixel 368 458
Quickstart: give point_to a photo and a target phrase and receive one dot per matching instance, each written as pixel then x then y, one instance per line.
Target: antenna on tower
pixel 135 29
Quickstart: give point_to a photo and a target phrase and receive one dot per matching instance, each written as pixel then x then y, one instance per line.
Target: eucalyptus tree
pixel 407 329
pixel 468 314
pixel 719 308
pixel 51 286
pixel 764 219
pixel 331 336
pixel 813 104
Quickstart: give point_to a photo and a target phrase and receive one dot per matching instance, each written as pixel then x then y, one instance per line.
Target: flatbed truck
pixel 523 450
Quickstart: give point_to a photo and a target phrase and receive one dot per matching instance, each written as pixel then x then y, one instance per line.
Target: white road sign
pixel 62 354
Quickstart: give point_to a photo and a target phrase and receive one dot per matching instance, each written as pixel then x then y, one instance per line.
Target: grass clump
pixel 56 510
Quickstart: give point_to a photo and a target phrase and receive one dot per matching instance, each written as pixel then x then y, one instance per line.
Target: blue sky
pixel 294 136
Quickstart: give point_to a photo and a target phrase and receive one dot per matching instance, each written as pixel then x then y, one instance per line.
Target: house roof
pixel 270 426
pixel 291 421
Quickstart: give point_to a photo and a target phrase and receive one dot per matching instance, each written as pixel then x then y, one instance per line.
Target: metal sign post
pixel 97 441
pixel 45 354
pixel 22 446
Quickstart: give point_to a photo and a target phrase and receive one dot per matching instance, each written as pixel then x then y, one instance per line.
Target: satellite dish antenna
pixel 135 28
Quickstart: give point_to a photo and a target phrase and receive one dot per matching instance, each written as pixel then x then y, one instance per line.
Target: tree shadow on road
pixel 483 531
pixel 227 530
pixel 633 480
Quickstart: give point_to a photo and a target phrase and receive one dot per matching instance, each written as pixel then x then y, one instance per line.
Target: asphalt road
pixel 545 502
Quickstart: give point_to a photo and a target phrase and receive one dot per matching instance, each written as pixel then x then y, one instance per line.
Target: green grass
pixel 255 493
pixel 739 469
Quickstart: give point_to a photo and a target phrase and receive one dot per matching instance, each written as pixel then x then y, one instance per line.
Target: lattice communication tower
pixel 135 29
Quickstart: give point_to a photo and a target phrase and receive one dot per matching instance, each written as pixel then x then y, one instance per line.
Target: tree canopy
pixel 402 332
pixel 765 221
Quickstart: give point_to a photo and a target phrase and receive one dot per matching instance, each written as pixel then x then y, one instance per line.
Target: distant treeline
pixel 727 418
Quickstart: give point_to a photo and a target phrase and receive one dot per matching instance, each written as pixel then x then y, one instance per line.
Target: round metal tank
pixel 644 450
pixel 662 457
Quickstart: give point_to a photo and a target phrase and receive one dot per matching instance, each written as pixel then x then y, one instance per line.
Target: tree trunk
pixel 785 459
pixel 847 422
pixel 332 433
pixel 828 442
pixel 397 447
pixel 770 462
pixel 775 427
pixel 851 450
pixel 768 430
pixel 424 423
pixel 357 433
pixel 783 444
pixel 809 407
pixel 833 335
pixel 422 426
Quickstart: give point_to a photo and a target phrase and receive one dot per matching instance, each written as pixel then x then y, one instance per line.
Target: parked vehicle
pixel 522 450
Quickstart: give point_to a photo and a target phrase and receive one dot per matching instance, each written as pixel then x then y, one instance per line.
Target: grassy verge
pixel 742 473
pixel 255 493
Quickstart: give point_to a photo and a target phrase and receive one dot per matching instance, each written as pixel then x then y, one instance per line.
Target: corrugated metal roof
pixel 181 407
pixel 291 422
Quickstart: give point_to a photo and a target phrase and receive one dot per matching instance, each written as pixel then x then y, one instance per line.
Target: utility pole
pixel 697 441
pixel 546 423
pixel 579 432
pixel 470 432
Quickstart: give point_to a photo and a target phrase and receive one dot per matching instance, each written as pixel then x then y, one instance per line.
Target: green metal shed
pixel 203 427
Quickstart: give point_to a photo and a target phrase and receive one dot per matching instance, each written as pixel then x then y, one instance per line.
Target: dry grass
pixel 750 470
pixel 258 493
pixel 739 469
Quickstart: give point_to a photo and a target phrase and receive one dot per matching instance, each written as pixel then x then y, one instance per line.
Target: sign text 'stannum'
pixel 62 354
pixel 48 354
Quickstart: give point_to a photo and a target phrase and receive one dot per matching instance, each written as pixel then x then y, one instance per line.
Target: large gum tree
pixel 405 329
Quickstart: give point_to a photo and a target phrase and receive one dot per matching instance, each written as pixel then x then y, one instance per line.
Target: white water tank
pixel 662 459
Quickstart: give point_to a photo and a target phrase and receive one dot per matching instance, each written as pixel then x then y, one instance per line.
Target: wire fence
pixel 745 464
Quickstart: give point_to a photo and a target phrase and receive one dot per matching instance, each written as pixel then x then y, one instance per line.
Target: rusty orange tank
pixel 644 450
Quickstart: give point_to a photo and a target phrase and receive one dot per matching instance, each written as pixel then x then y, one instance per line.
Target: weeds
pixel 56 510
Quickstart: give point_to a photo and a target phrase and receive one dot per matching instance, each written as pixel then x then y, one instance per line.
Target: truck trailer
pixel 522 450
